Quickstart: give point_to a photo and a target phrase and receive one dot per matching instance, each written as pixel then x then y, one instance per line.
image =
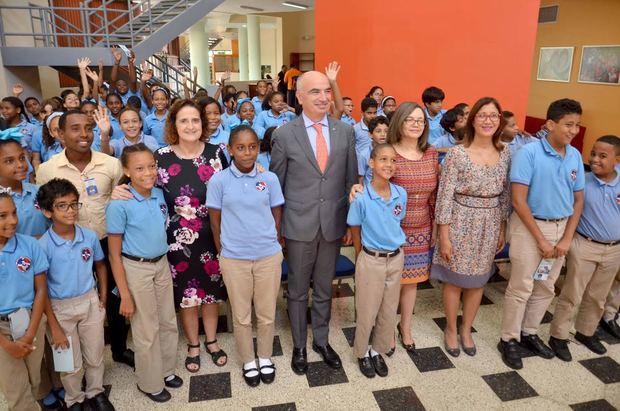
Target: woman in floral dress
pixel 473 203
pixel 184 170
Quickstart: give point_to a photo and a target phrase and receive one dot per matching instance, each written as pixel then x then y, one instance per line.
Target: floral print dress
pixel 191 251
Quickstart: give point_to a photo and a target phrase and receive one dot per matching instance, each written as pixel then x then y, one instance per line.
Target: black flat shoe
pixel 366 367
pixel 409 347
pixel 299 361
pixel 455 352
pixel 593 343
pixel 251 381
pixel 611 327
pixel 175 382
pixel 510 353
pixel 379 365
pixel 126 357
pixel 391 352
pixel 163 396
pixel 471 351
pixel 330 357
pixel 269 377
pixel 533 343
pixel 560 348
pixel 101 403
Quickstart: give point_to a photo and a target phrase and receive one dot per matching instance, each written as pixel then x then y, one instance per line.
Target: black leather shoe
pixel 101 403
pixel 299 361
pixel 366 367
pixel 330 357
pixel 560 348
pixel 269 377
pixel 593 343
pixel 126 357
pixel 533 343
pixel 611 327
pixel 379 364
pixel 251 381
pixel 510 353
pixel 163 396
pixel 175 382
pixel 78 406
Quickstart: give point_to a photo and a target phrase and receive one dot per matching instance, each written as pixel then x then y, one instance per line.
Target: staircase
pixel 54 39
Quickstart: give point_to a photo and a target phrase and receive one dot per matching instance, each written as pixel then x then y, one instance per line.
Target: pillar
pixel 253 47
pixel 199 52
pixel 243 54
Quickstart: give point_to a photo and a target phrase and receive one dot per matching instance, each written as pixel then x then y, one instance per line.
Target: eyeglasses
pixel 66 206
pixel 493 117
pixel 418 121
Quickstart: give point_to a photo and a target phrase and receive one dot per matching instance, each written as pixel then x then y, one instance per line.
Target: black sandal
pixel 251 381
pixel 268 378
pixel 216 355
pixel 192 360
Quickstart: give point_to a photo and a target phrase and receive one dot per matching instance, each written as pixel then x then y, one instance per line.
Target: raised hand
pixel 225 76
pixel 103 121
pixel 146 76
pixel 331 71
pixel 131 58
pixel 83 63
pixel 92 75
pixel 117 54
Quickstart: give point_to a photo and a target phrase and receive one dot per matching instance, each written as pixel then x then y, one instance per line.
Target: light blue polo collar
pixel 374 196
pixel 58 240
pixel 138 196
pixel 612 183
pixel 10 246
pixel 237 173
pixel 550 150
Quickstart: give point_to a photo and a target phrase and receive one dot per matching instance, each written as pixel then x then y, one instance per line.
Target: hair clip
pixel 5 190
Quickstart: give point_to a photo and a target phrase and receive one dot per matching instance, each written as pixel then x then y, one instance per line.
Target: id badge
pixel 91 186
pixel 544 269
pixel 19 321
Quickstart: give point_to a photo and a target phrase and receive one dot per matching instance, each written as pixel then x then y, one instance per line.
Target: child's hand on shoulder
pixel 59 339
pixel 121 192
pixel 19 349
pixel 355 190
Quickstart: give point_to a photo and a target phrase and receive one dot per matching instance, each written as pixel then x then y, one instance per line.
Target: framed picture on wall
pixel 555 63
pixel 600 65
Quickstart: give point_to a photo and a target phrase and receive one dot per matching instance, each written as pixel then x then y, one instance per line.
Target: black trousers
pixel 117 326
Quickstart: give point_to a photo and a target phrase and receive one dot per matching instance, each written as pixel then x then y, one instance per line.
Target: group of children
pixel 558 211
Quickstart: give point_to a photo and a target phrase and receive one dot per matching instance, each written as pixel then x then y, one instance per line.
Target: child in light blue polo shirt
pixel 257 101
pixel 77 309
pixel 131 126
pixel 229 116
pixel 452 121
pixel 348 111
pixel 275 116
pixel 547 182
pixel 154 123
pixel 375 218
pixel 512 136
pixel 13 170
pixel 362 136
pixel 22 302
pixel 378 128
pixel 245 210
pixel 433 98
pixel 137 242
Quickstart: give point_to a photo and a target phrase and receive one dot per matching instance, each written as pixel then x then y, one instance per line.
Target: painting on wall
pixel 555 63
pixel 600 65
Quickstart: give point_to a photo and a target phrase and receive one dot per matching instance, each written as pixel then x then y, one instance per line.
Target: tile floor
pixel 429 380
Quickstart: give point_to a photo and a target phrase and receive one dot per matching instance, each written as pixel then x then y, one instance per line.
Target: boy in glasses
pixel 77 308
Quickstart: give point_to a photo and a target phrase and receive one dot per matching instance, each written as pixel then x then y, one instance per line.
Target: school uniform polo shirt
pixel 220 136
pixel 379 219
pixel 551 178
pixel 21 259
pixel 70 272
pixel 348 119
pixel 119 145
pixel 248 230
pixel 232 122
pixel 117 133
pixel 28 131
pixel 31 219
pixel 362 137
pixel 154 126
pixel 434 127
pixel 267 119
pixel 600 218
pixel 142 222
pixel 363 169
pixel 227 119
pixel 94 184
pixel 445 141
pixel 258 104
pixel 519 141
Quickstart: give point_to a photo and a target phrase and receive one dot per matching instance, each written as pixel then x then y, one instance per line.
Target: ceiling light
pixel 251 8
pixel 295 5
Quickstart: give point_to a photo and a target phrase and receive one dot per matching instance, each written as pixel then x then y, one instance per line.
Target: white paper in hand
pixel 63 359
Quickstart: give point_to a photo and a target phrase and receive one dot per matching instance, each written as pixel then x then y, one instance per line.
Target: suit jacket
pixel 314 199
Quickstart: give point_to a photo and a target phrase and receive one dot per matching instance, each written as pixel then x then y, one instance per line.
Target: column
pixel 199 52
pixel 253 47
pixel 243 54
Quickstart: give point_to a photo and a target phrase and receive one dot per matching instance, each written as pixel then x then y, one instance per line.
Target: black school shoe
pixel 175 382
pixel 100 403
pixel 560 348
pixel 593 343
pixel 611 327
pixel 366 367
pixel 510 353
pixel 251 381
pixel 126 357
pixel 163 396
pixel 379 365
pixel 533 343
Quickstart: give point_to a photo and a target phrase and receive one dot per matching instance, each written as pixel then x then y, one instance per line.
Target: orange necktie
pixel 321 147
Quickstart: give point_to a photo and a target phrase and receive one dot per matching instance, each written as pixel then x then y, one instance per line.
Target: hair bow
pixel 243 123
pixel 243 100
pixel 13 133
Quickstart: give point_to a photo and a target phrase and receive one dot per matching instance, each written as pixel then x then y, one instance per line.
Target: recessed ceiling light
pixel 295 5
pixel 251 8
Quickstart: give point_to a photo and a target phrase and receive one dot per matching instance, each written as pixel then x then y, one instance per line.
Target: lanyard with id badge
pixel 91 186
pixel 544 269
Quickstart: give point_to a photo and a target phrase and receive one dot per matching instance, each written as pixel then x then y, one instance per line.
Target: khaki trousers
pixel 50 379
pixel 154 323
pixel 377 289
pixel 613 300
pixel 591 271
pixel 82 319
pixel 20 378
pixel 526 300
pixel 258 282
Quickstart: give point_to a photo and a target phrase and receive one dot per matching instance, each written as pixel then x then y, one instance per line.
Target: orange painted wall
pixel 469 49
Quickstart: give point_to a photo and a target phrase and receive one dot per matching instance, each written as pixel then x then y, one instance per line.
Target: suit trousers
pixel 592 268
pixel 82 319
pixel 20 378
pixel 377 288
pixel 612 305
pixel 258 282
pixel 311 261
pixel 117 324
pixel 154 323
pixel 526 300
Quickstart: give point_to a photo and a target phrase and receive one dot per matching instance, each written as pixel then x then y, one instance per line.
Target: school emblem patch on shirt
pixel 164 209
pixel 23 264
pixel 573 175
pixel 261 186
pixel 398 209
pixel 86 253
pixel 618 199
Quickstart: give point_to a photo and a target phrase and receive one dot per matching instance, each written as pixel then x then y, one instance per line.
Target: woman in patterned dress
pixel 416 171
pixel 473 203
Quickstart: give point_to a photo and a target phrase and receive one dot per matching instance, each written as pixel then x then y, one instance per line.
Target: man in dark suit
pixel 314 158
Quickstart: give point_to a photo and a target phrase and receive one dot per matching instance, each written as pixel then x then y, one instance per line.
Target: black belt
pixel 380 254
pixel 142 259
pixel 4 318
pixel 551 220
pixel 599 242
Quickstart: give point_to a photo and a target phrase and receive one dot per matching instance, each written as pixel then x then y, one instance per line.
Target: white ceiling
pixel 269 6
